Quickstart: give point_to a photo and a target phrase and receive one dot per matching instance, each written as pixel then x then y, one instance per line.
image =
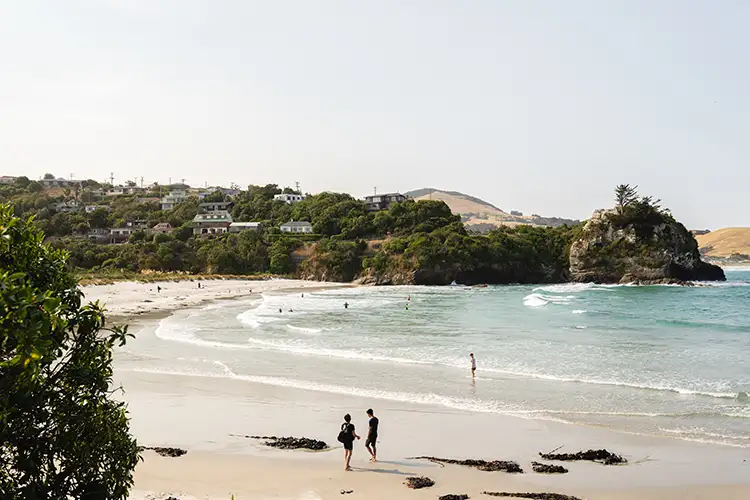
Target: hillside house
pixel 66 207
pixel 297 227
pixel 162 228
pixel 211 223
pixel 137 224
pixel 93 208
pixel 215 206
pixel 99 235
pixel 121 234
pixel 173 199
pixel 290 199
pixel 516 213
pixel 59 183
pixel 378 202
pixel 7 179
pixel 238 227
pixel 226 192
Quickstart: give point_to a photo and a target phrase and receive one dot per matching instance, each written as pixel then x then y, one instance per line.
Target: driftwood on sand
pixel 483 465
pixel 416 483
pixel 602 456
pixel 548 468
pixel 533 496
pixel 166 452
pixel 291 443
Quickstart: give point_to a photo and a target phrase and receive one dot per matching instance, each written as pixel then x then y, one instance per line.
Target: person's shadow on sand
pixel 394 472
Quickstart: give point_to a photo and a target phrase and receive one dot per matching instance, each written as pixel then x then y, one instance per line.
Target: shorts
pixel 349 445
pixel 371 440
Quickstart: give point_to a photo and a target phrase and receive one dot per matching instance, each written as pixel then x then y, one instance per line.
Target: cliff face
pixel 616 248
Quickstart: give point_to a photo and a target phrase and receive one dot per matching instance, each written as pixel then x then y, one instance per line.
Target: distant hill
pixel 728 243
pixel 483 216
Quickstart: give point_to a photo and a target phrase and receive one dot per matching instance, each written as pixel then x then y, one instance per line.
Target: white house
pixel 94 208
pixel 227 192
pixel 298 227
pixel 173 199
pixel 66 206
pixel 7 179
pixel 238 227
pixel 211 223
pixel 59 182
pixel 289 198
pixel 120 234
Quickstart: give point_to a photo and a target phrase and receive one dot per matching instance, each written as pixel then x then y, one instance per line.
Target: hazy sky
pixel 539 106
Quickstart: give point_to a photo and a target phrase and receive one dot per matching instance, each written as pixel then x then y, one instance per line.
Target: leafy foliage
pixel 61 434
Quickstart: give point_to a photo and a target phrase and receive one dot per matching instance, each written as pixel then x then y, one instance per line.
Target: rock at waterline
pixel 602 456
pixel 417 483
pixel 623 246
pixel 483 465
pixel 166 452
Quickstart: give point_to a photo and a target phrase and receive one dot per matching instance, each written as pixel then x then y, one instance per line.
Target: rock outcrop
pixel 616 246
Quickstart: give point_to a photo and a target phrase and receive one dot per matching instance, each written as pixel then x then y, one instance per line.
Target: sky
pixel 535 105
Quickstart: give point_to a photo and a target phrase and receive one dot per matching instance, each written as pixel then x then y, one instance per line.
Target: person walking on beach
pixel 346 437
pixel 372 436
pixel 473 364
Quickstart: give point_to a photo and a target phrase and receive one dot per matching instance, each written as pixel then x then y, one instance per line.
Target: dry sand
pixel 130 299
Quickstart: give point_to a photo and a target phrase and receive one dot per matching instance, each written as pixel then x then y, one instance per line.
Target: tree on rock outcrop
pixel 625 195
pixel 61 433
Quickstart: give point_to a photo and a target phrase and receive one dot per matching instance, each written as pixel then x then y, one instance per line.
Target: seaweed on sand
pixel 483 465
pixel 166 452
pixel 416 483
pixel 291 443
pixel 601 456
pixel 548 468
pixel 533 496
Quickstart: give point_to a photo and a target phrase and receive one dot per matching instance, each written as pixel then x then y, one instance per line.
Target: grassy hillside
pixel 726 242
pixel 481 215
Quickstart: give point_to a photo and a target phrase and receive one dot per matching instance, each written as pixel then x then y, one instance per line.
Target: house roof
pixel 213 217
pixel 300 223
pixel 384 195
pixel 245 224
pixel 163 225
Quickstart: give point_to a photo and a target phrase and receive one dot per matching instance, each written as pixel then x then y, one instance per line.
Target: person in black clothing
pixel 372 436
pixel 349 435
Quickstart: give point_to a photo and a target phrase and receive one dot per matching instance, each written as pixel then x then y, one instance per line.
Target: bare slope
pixel 725 242
pixel 480 214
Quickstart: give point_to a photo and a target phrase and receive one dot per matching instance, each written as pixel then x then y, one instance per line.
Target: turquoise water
pixel 661 360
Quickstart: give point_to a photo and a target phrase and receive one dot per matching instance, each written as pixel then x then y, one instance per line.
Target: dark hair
pixel 347 418
pixel 471 354
pixel 369 412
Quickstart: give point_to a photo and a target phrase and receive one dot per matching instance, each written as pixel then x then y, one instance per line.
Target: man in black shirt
pixel 372 436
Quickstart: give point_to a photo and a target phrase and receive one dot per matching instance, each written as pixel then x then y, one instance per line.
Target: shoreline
pixel 198 413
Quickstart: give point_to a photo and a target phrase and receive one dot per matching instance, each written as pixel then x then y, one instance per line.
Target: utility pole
pixel 111 178
pixel 297 186
pixel 71 176
pixel 375 190
pixel 170 182
pixel 141 182
pixel 183 182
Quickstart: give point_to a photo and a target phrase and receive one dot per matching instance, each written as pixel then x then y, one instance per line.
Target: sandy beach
pixel 209 415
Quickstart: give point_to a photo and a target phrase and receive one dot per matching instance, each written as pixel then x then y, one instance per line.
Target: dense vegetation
pixel 418 241
pixel 61 434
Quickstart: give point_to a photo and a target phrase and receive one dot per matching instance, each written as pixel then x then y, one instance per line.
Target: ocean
pixel 654 360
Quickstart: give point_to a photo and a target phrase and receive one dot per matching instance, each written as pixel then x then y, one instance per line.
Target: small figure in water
pixel 346 305
pixel 303 295
pixel 158 289
pixel 409 298
pixel 199 285
pixel 473 364
pixel 280 310
pixel 407 306
pixel 291 310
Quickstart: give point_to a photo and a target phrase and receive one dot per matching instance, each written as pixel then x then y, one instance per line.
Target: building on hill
pixel 211 223
pixel 378 202
pixel 238 227
pixel 290 199
pixel 121 234
pixel 162 228
pixel 173 199
pixel 7 179
pixel 297 227
pixel 516 213
pixel 93 208
pixel 99 235
pixel 215 206
pixel 59 183
pixel 225 191
pixel 66 207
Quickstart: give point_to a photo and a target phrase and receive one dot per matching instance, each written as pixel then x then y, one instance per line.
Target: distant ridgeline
pixel 411 242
